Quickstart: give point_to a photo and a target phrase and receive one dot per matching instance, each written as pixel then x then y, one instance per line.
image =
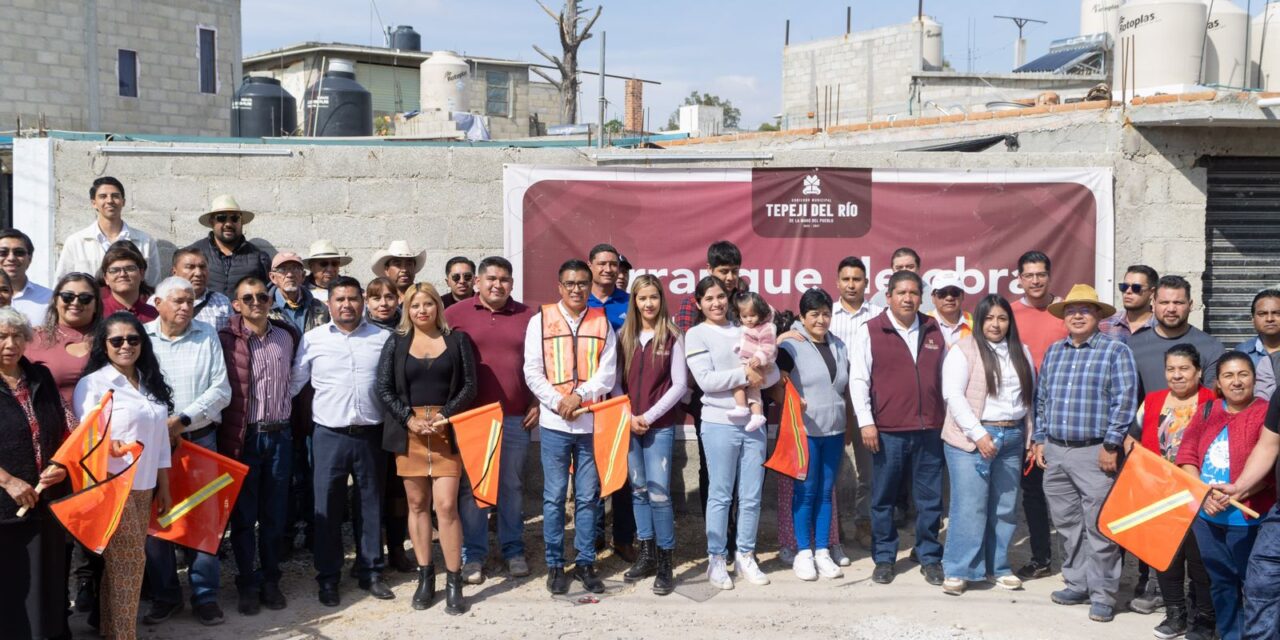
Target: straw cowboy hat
pixel 225 204
pixel 324 249
pixel 1081 294
pixel 397 249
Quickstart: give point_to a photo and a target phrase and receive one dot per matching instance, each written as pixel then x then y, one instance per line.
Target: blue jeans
pixel 1225 551
pixel 1262 582
pixel 204 570
pixel 903 453
pixel 733 454
pixel 561 450
pixel 811 504
pixel 263 501
pixel 649 461
pixel 339 455
pixel 475 521
pixel 983 510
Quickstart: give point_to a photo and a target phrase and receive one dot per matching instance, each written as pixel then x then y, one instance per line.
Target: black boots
pixel 425 595
pixel 663 582
pixel 453 604
pixel 645 563
pixel 557 581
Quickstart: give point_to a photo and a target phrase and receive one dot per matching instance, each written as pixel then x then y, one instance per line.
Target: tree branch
pixel 586 31
pixel 544 8
pixel 544 76
pixel 554 60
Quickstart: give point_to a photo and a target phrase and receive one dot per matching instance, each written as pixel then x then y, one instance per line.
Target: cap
pixel 283 257
pixel 623 262
pixel 944 279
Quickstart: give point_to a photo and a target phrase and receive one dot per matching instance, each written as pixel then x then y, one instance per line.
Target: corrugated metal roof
pixel 1058 61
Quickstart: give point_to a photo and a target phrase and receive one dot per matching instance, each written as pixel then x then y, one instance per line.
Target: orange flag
pixel 85 452
pixel 791 453
pixel 204 486
pixel 93 515
pixel 612 442
pixel 1150 507
pixel 479 436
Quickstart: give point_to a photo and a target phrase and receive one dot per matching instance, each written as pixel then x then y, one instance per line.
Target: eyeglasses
pixel 17 252
pixel 1125 287
pixel 223 218
pixel 118 341
pixel 68 297
pixel 1082 310
pixel 459 277
pixel 250 298
pixel 581 284
pixel 129 268
pixel 1037 275
pixel 948 292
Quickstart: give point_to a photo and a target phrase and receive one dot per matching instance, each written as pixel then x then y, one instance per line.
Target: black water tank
pixel 263 109
pixel 337 106
pixel 405 38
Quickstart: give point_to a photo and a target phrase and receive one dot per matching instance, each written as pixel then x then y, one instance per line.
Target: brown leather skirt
pixel 429 456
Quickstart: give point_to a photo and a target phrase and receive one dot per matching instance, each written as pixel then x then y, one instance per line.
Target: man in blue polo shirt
pixel 605 260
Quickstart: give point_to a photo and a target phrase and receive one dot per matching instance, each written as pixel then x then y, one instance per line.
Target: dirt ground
pixel 503 607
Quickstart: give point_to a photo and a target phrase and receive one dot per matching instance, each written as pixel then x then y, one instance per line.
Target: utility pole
pixel 1020 46
pixel 600 139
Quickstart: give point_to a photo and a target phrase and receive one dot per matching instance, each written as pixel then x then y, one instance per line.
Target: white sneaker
pixel 837 554
pixel 717 574
pixel 826 567
pixel 786 555
pixel 1009 582
pixel 803 566
pixel 954 586
pixel 748 569
pixel 738 412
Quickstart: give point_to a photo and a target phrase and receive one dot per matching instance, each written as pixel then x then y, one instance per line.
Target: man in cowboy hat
pixel 230 256
pixel 1085 401
pixel 399 264
pixel 323 261
pixel 84 249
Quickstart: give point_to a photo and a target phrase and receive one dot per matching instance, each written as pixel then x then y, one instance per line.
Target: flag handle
pixel 23 511
pixel 1245 510
pixel 581 411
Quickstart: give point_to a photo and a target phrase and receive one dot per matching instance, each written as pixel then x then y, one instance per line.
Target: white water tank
pixel 1264 50
pixel 1225 59
pixel 932 54
pixel 444 80
pixel 1100 16
pixel 1167 40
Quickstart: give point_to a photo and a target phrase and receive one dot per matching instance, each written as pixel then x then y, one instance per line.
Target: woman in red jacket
pixel 1215 447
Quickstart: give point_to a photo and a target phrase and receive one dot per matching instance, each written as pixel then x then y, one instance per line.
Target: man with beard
pixel 293 302
pixel 229 254
pixel 211 307
pixel 1136 292
pixel 460 278
pixel 1172 309
pixel 399 264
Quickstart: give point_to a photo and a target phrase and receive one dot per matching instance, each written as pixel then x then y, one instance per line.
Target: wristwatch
pixel 184 419
pixel 1110 447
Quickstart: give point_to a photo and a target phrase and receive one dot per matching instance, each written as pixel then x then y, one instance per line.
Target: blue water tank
pixel 263 109
pixel 337 106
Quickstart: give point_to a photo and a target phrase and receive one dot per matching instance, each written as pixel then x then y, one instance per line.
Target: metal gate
pixel 1242 231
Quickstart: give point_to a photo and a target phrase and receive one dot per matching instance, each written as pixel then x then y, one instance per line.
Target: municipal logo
pixel 812 185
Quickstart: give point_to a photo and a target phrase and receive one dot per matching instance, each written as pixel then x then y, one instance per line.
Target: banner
pixel 791 453
pixel 92 516
pixel 794 225
pixel 1150 507
pixel 479 436
pixel 612 442
pixel 204 486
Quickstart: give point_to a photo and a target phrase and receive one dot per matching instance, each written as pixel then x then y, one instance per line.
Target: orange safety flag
pixel 791 453
pixel 1150 507
pixel 479 436
pixel 204 486
pixel 93 515
pixel 612 442
pixel 85 452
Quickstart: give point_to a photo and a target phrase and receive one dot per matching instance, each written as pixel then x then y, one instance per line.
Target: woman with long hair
pixel 426 374
pixel 123 282
pixel 122 360
pixel 655 377
pixel 988 383
pixel 62 344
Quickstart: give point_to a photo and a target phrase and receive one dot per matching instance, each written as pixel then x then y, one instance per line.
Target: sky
pixel 732 49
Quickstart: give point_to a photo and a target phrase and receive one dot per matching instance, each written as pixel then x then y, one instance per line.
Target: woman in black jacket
pixel 427 373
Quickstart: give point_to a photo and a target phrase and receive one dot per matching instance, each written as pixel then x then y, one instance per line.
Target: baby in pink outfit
pixel 758 347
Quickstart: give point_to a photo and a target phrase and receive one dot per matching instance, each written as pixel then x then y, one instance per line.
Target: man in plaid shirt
pixel 1085 401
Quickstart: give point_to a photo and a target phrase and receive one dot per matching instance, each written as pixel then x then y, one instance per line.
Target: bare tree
pixel 570 39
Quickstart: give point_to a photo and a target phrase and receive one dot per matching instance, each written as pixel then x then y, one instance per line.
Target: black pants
pixel 1036 509
pixel 340 454
pixel 1187 564
pixel 33 577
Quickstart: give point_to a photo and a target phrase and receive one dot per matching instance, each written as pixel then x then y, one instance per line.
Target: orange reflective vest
pixel 570 359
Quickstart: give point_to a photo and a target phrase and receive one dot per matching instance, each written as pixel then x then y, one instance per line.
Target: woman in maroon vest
pixel 655 376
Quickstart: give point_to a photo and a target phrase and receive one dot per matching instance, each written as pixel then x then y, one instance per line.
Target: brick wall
pixel 633 107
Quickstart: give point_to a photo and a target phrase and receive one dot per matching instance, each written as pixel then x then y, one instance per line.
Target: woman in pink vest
pixel 988 384
pixel 655 376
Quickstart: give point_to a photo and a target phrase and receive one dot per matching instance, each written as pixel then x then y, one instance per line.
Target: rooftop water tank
pixel 337 106
pixel 1168 38
pixel 1100 16
pixel 405 38
pixel 1225 58
pixel 444 79
pixel 1264 49
pixel 932 55
pixel 263 109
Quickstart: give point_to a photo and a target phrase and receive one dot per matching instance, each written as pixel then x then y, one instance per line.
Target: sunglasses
pixel 459 277
pixel 223 218
pixel 325 264
pixel 118 341
pixel 83 298
pixel 1125 287
pixel 17 252
pixel 948 292
pixel 250 298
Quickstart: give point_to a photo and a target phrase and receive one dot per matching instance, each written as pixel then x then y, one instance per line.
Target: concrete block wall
pixel 516 125
pixel 42 61
pixel 887 56
pixel 544 100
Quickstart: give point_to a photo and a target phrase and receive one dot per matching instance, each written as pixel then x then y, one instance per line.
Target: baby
pixel 758 347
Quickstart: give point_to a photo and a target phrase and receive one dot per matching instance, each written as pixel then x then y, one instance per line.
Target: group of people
pixel 338 396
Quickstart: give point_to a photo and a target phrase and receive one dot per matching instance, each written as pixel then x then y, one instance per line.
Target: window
pixel 497 94
pixel 208 39
pixel 127 72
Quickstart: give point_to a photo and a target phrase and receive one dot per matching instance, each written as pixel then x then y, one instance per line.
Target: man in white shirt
pixel 211 307
pixel 84 249
pixel 906 259
pixel 563 375
pixel 190 357
pixel 948 296
pixel 28 297
pixel 340 360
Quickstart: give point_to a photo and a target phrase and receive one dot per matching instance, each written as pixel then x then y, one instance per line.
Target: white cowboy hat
pixel 397 249
pixel 322 249
pixel 225 204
